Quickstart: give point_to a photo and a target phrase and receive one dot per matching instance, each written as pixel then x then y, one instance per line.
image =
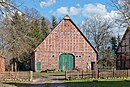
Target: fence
pixel 22 75
pixel 114 74
pixel 97 74
pixel 80 74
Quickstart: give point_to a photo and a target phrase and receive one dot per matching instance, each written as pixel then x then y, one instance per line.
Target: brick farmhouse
pixel 65 48
pixel 123 52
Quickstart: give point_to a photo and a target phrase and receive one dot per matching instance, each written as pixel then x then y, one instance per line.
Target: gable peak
pixel 67 17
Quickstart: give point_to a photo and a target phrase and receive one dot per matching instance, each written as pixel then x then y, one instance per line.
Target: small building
pixel 65 48
pixel 2 64
pixel 123 52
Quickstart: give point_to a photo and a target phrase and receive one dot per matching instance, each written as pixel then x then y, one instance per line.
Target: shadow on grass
pixel 125 83
pixel 58 75
pixel 61 79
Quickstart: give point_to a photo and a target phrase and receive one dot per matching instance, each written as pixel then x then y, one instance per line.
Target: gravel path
pixel 48 81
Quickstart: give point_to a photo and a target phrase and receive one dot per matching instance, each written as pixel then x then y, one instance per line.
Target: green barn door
pixel 66 62
pixel 38 66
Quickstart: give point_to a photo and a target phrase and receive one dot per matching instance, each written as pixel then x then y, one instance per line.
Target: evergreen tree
pixel 44 28
pixel 113 42
pixel 118 38
pixel 35 29
pixel 54 22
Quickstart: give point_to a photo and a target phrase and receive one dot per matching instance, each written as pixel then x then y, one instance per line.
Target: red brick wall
pixel 2 64
pixel 65 38
pixel 123 52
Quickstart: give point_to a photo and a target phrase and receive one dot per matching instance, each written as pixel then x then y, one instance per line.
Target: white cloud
pixel 87 10
pixel 94 9
pixel 62 10
pixel 69 11
pixel 74 11
pixel 112 15
pixel 47 3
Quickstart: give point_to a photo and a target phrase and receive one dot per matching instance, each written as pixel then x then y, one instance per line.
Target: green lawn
pixel 6 85
pixel 99 83
pixel 80 83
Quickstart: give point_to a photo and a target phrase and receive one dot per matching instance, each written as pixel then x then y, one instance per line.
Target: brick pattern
pixel 2 64
pixel 65 38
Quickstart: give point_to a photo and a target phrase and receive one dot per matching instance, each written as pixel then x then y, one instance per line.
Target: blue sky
pixel 77 9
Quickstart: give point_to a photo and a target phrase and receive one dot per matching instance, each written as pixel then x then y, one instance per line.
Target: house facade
pixel 123 52
pixel 65 48
pixel 2 64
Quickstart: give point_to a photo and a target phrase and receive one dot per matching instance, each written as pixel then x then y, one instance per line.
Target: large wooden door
pixel 66 62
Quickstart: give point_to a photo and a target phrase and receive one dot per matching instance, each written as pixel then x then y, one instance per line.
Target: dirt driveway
pixel 58 78
pixel 44 80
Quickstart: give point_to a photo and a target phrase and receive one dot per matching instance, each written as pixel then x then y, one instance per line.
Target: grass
pixel 6 85
pixel 99 83
pixel 82 83
pixel 12 83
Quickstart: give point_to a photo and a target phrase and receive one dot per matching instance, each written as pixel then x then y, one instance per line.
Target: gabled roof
pixel 68 18
pixel 127 30
pixel 80 32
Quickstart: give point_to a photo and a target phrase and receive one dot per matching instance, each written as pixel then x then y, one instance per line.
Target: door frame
pixel 66 54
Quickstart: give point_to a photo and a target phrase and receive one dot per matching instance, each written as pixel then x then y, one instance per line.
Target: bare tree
pixel 123 6
pixel 15 36
pixel 21 35
pixel 98 30
pixel 17 42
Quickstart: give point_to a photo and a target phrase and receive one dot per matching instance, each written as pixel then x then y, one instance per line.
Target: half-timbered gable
pixel 65 48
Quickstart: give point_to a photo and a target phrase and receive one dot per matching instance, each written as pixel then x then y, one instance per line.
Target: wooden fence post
pixel 93 73
pixel 128 72
pixel 31 75
pixel 9 75
pixel 78 75
pixel 96 71
pixel 66 74
pixel 97 74
pixel 113 74
pixel 82 74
